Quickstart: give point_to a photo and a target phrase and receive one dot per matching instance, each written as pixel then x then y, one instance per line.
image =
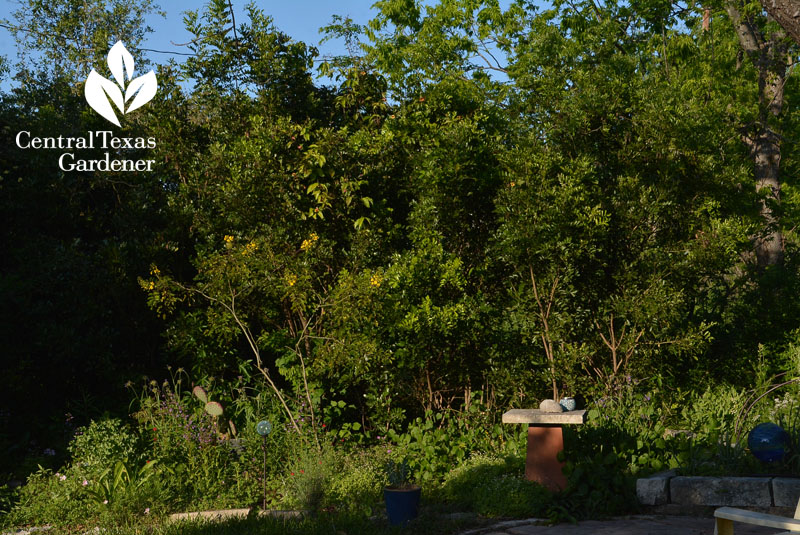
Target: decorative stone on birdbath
pixel 550 405
pixel 568 404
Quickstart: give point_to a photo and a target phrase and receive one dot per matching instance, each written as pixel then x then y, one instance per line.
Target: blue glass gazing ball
pixel 263 428
pixel 768 442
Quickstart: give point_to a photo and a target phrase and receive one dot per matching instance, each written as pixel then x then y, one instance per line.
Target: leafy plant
pixel 399 474
pixel 309 478
pixel 494 486
pixel 8 498
pixel 117 480
pixel 52 498
pixel 102 444
pixel 433 445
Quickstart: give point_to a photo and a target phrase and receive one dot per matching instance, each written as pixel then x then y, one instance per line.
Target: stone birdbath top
pixel 537 416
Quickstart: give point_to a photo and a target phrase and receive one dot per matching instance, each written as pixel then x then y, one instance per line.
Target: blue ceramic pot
pixel 402 504
pixel 568 404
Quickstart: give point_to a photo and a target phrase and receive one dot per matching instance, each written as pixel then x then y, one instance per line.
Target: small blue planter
pixel 402 505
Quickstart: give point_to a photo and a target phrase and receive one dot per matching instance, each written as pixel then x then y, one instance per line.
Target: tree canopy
pixel 494 204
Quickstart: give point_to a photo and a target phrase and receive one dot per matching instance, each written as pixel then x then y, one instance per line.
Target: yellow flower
pixel 155 271
pixel 308 243
pixel 291 279
pixel 228 241
pixel 151 286
pixel 375 280
pixel 249 248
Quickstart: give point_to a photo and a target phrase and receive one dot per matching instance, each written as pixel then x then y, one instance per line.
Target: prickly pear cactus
pixel 200 393
pixel 214 409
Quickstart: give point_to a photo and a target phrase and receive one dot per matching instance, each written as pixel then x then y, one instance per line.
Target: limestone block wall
pixel 669 488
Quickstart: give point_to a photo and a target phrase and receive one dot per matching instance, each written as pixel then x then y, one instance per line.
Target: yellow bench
pixel 726 516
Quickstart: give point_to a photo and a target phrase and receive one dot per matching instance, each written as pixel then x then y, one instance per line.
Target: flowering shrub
pixel 308 480
pixel 187 442
pixel 52 498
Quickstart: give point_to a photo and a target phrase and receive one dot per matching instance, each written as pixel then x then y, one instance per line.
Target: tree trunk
pixel 769 55
pixel 766 152
pixel 787 14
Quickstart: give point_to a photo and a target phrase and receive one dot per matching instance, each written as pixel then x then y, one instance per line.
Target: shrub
pixel 624 438
pixel 494 486
pixel 308 480
pixel 335 479
pixel 434 445
pixel 599 484
pixel 102 444
pixel 359 482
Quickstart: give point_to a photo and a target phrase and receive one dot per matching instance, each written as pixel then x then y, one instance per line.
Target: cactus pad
pixel 200 393
pixel 214 409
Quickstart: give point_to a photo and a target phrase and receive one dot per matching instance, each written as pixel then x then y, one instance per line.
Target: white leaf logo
pixel 100 90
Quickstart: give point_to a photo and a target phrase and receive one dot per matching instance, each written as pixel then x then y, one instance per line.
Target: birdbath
pixel 545 441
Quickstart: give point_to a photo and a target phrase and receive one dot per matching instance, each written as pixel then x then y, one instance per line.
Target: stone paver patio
pixel 636 525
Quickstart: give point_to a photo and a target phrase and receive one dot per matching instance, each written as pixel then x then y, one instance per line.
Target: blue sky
pixel 300 19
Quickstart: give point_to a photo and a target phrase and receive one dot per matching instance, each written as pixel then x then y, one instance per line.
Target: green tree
pixel 767 48
pixel 613 183
pixel 74 323
pixel 68 39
